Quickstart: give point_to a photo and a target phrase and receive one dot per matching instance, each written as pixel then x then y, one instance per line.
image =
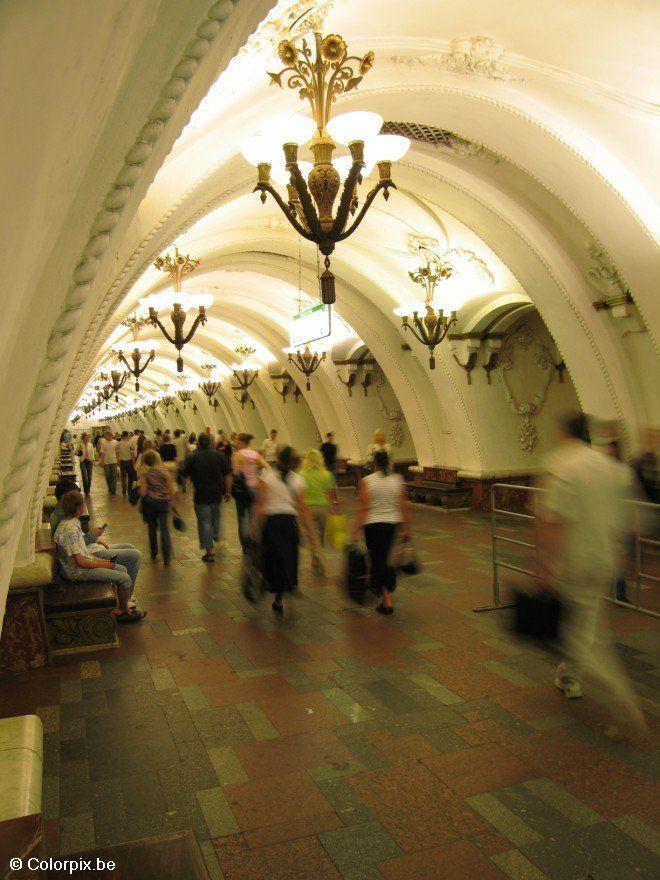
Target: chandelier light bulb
pixel 385 148
pixel 287 128
pixel 258 149
pixel 361 125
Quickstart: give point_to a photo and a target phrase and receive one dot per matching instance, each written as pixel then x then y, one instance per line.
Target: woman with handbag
pixel 280 503
pixel 246 464
pixel 157 495
pixel 383 515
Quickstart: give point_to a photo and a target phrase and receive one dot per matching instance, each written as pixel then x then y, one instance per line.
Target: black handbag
pixel 178 523
pixel 356 573
pixel 134 495
pixel 239 489
pixel 538 615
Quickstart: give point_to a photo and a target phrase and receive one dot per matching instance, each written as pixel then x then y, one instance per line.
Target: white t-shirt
pixel 88 453
pixel 124 450
pixel 181 446
pixel 108 450
pixel 586 491
pixel 269 449
pixel 134 443
pixel 280 495
pixel 384 497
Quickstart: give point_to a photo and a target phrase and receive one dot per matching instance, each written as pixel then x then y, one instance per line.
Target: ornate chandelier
pixel 309 207
pixel 245 373
pixel 113 381
pixel 211 386
pixel 307 361
pixel 137 350
pixel 185 394
pixel 178 302
pixel 430 329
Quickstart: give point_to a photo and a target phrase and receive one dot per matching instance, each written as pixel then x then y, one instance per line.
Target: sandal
pixel 385 609
pixel 278 609
pixel 131 616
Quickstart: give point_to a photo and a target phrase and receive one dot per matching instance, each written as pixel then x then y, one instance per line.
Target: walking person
pixel 168 456
pixel 383 515
pixel 280 503
pixel 379 444
pixel 108 460
pixel 584 518
pixel 157 495
pixel 210 474
pixel 320 493
pixel 126 462
pixel 87 456
pixel 77 562
pixel 270 448
pixel 246 464
pixel 181 445
pixel 329 453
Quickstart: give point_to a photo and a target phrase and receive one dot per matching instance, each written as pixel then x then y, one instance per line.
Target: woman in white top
pixel 86 454
pixel 382 513
pixel 280 501
pixel 380 444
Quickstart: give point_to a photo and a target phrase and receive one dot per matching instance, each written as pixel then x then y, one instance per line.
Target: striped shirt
pixel 384 497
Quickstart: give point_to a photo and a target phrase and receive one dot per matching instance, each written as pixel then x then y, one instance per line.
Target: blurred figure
pixel 583 520
pixel 383 512
pixel 108 459
pixel 320 493
pixel 246 464
pixel 380 444
pixel 87 455
pixel 210 473
pixel 329 453
pixel 279 505
pixel 168 455
pixel 270 448
pixel 157 494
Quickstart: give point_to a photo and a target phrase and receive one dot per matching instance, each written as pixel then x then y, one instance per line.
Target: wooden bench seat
pixel 80 617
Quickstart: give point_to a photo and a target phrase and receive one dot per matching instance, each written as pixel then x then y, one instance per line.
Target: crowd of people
pixel 277 495
pixel 586 532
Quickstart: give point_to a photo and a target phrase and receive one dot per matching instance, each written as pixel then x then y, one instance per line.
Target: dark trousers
pixel 379 538
pixel 244 504
pixel 86 468
pixel 156 513
pixel 128 475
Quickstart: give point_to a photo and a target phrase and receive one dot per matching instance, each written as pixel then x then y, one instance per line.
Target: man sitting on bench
pixel 123 554
pixel 77 562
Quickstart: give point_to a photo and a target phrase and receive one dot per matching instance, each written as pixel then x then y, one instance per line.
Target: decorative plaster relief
pixel 477 56
pixel 604 277
pixel 395 433
pixel 527 368
pixel 440 138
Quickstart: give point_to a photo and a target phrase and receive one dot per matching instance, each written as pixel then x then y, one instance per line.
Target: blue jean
pixel 111 477
pixel 117 576
pixel 156 514
pixel 244 505
pixel 208 524
pixel 126 555
pixel 86 468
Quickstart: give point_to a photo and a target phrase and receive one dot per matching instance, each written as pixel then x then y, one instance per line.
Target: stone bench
pixel 447 496
pixel 21 770
pixel 80 617
pixel 24 640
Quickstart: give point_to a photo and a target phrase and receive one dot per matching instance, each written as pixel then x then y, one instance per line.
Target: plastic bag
pixel 336 530
pixel 408 561
pixel 356 574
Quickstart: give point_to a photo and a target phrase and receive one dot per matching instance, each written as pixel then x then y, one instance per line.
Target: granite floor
pixel 336 743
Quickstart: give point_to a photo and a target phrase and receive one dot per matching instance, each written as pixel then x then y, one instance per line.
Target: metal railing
pixel 641 541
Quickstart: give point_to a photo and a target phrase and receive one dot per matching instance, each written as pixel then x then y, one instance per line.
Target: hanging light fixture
pixel 178 302
pixel 430 329
pixel 310 205
pixel 135 349
pixel 211 386
pixel 307 361
pixel 185 394
pixel 114 379
pixel 245 373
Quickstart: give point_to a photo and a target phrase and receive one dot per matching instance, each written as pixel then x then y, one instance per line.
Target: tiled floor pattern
pixel 336 743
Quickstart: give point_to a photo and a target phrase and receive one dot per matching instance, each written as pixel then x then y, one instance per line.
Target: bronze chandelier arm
pixel 286 210
pixel 382 184
pixel 156 322
pixel 200 319
pixel 345 201
pixel 130 368
pixel 418 336
pixel 300 185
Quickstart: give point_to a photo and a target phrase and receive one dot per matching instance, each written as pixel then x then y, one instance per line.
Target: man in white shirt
pixel 583 521
pixel 269 448
pixel 126 462
pixel 181 445
pixel 108 456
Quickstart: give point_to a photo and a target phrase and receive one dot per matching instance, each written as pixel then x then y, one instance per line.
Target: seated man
pixel 123 554
pixel 77 562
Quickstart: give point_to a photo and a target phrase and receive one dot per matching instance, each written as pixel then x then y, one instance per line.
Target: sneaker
pixel 570 687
